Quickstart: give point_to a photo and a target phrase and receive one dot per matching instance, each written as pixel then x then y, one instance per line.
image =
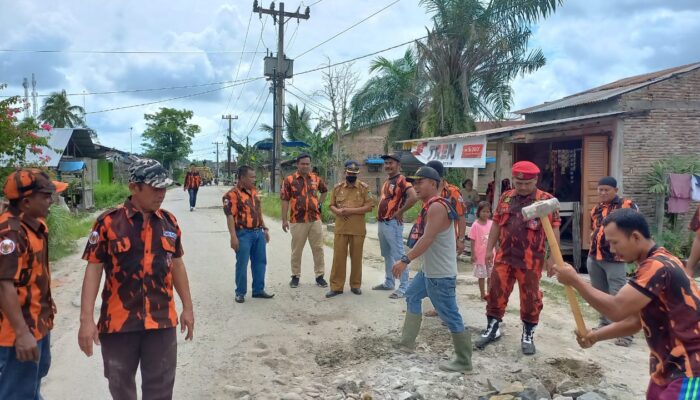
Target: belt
pixel 250 229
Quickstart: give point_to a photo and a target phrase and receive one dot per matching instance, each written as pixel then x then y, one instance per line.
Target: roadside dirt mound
pixel 359 350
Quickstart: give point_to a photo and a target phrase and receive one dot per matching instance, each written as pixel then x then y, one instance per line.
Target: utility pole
pixel 228 144
pixel 217 159
pixel 278 70
pixel 131 140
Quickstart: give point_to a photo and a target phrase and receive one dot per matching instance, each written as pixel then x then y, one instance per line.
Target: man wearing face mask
pixel 350 201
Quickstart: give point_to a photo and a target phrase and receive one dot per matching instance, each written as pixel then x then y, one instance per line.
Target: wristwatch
pixel 405 259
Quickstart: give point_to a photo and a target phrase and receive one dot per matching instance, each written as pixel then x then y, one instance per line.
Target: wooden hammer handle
pixel 559 260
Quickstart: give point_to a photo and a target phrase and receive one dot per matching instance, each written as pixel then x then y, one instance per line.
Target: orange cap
pixel 25 182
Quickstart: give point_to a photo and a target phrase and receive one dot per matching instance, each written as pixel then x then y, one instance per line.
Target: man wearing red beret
pixel 520 256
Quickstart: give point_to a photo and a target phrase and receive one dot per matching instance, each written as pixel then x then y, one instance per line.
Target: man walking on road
pixel 139 247
pixel 193 181
pixel 300 197
pixel 661 300
pixel 26 307
pixel 520 257
pixel 607 271
pixel 350 201
pixel 432 237
pixel 397 197
pixel 249 235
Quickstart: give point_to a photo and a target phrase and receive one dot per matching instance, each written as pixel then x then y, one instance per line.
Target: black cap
pixel 396 156
pixel 608 181
pixel 437 166
pixel 425 172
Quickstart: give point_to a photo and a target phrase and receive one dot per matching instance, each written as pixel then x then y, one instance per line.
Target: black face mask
pixel 351 178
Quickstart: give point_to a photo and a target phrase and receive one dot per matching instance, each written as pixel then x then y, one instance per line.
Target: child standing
pixel 479 236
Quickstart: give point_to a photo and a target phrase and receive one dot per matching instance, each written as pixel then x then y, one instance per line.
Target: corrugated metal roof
pixel 58 139
pixel 508 129
pixel 610 90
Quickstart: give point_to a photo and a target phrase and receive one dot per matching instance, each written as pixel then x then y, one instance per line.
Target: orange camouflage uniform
pixel 137 259
pixel 670 321
pixel 24 259
pixel 193 180
pixel 302 194
pixel 245 207
pixel 452 193
pixel 520 256
pixel 695 222
pixel 600 248
pixel 393 197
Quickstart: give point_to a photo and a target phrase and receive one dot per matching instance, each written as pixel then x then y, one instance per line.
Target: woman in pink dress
pixel 479 236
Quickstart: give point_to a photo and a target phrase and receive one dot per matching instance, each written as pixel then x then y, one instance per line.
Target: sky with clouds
pixel 587 43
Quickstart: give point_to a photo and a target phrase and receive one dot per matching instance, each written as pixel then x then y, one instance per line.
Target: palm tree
pixel 59 113
pixel 471 55
pixel 397 91
pixel 296 122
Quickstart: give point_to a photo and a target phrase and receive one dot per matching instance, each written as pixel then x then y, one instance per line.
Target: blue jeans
pixel 252 248
pixel 391 245
pixel 22 380
pixel 193 197
pixel 441 292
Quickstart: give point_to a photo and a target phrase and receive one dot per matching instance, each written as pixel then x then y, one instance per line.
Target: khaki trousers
pixel 313 233
pixel 341 245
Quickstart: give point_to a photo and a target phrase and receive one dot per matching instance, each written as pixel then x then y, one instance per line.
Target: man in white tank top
pixel 433 238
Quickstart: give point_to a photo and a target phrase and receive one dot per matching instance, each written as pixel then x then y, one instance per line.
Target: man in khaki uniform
pixel 350 201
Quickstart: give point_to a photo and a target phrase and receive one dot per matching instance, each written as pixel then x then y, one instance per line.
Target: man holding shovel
pixel 661 299
pixel 520 256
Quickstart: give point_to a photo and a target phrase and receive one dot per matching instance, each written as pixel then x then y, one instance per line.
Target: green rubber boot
pixel 411 326
pixel 462 362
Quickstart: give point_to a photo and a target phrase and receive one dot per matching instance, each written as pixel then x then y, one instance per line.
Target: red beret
pixel 525 170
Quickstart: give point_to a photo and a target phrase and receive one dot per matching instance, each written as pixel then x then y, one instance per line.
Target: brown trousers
pixel 341 245
pixel 313 233
pixel 155 350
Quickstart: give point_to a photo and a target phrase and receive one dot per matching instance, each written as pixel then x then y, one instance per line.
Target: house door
pixel 596 156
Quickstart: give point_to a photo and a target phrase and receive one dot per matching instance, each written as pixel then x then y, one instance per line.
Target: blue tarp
pixel 490 160
pixel 267 144
pixel 374 161
pixel 71 166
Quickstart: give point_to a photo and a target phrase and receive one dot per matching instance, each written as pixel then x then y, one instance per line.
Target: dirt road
pixel 301 345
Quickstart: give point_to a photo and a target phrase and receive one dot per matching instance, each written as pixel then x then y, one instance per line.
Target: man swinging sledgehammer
pixel 520 256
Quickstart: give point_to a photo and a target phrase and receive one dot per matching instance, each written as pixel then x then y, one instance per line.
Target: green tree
pixel 168 135
pixel 58 111
pixel 16 137
pixel 471 55
pixel 397 91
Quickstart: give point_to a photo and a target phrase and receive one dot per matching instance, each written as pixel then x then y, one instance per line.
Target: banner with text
pixel 458 153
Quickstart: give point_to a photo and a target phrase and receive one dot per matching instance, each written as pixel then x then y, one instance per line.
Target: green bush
pixel 678 242
pixel 64 229
pixel 109 195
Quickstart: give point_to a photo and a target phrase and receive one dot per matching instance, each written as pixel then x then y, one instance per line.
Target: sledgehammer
pixel 541 210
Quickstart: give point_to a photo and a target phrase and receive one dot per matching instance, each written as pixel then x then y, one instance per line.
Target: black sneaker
pixel 320 282
pixel 357 291
pixel 527 342
pixel 490 334
pixel 294 283
pixel 333 293
pixel 240 299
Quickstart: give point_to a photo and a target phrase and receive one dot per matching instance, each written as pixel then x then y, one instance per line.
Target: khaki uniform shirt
pixel 346 196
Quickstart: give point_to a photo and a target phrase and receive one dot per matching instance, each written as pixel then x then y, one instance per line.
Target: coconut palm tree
pixel 296 123
pixel 397 91
pixel 471 55
pixel 59 113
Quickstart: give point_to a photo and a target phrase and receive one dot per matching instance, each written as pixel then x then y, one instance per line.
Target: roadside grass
pixel 109 195
pixel 65 228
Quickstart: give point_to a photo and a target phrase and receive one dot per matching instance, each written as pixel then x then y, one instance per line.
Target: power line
pixel 165 100
pixel 315 3
pixel 308 99
pixel 203 52
pixel 259 114
pixel 359 57
pixel 152 89
pixel 347 29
